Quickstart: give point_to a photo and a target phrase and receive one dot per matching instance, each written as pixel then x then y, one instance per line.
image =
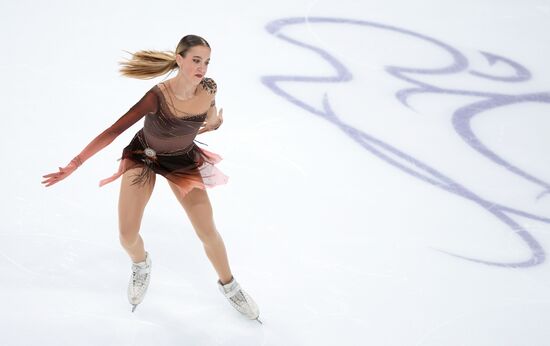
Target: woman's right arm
pixel 147 104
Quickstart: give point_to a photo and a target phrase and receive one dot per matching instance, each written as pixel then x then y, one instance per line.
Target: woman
pixel 175 112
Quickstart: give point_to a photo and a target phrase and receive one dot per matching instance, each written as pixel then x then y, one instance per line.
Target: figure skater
pixel 175 111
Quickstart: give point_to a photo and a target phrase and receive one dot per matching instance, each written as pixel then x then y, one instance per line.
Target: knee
pixel 128 239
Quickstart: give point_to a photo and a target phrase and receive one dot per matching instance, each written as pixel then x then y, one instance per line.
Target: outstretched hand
pixel 63 173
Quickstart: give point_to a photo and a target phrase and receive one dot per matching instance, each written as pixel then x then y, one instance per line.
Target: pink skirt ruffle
pixel 190 168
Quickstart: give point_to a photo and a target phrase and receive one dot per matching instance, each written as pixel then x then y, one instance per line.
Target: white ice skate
pixel 240 300
pixel 139 281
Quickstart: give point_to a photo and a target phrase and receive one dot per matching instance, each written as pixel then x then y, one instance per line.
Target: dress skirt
pixel 188 168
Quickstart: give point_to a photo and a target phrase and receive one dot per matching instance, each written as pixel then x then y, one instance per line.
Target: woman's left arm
pixel 214 119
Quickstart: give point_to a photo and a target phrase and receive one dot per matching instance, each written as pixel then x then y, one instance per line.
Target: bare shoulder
pixel 209 86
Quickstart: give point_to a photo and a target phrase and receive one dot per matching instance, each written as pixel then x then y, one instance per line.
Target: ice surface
pixel 388 163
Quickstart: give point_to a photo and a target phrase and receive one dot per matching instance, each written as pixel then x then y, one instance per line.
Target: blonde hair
pixel 148 64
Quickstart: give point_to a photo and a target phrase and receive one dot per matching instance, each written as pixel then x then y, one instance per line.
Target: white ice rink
pixel 388 160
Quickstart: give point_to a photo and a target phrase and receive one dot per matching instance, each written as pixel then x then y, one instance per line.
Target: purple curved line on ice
pixel 383 150
pixel 521 73
pixel 462 118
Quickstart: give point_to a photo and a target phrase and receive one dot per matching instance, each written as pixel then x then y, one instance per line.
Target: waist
pixel 167 146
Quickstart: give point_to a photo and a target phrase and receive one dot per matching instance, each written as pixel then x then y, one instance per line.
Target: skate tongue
pixel 143 264
pixel 141 269
pixel 231 288
pixel 145 260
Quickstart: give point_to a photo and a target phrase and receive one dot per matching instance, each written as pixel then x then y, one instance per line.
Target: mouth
pixel 198 75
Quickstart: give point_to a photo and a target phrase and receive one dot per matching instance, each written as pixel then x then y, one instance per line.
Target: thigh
pixel 133 198
pixel 197 206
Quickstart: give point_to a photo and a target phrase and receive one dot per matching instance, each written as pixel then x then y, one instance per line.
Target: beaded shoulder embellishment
pixel 209 85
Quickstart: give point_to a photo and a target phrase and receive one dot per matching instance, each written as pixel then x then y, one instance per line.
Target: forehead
pixel 200 51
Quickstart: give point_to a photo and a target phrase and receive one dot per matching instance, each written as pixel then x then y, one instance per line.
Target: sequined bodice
pixel 165 132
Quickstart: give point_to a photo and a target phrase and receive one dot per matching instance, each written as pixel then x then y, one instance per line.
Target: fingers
pixel 53 178
pixel 220 119
pixel 61 171
pixel 50 177
pixel 53 174
pixel 49 182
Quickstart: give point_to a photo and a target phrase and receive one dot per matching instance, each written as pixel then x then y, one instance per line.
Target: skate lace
pixel 138 278
pixel 239 298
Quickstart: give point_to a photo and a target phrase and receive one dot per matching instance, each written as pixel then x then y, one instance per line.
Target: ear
pixel 179 60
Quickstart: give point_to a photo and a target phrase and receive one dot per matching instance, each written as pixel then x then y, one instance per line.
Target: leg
pixel 199 210
pixel 131 204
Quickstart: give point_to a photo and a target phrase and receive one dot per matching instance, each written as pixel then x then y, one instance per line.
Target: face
pixel 194 65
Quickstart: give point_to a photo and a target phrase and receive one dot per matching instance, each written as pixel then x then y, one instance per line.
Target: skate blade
pixel 258 319
pixel 134 306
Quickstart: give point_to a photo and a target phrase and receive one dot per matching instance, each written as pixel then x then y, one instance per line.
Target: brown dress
pixel 166 143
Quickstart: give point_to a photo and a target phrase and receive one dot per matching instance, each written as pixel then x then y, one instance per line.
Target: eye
pixel 207 63
pixel 196 61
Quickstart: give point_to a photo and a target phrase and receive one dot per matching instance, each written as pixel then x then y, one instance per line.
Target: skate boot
pixel 139 281
pixel 239 299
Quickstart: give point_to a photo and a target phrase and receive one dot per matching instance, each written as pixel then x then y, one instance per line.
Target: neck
pixel 182 89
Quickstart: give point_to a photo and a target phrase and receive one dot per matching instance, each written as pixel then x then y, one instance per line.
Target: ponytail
pixel 148 64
